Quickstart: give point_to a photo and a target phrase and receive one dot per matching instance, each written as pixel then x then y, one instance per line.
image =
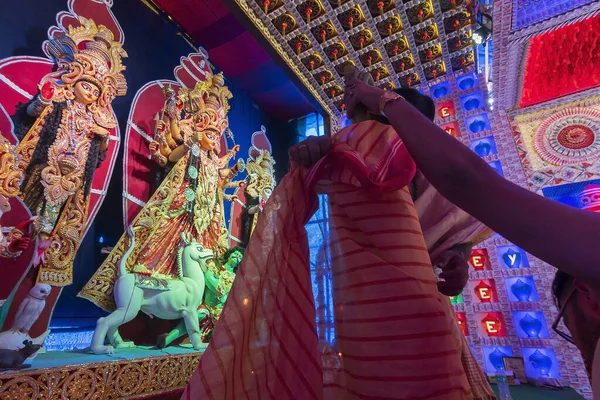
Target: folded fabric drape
pixel 394 338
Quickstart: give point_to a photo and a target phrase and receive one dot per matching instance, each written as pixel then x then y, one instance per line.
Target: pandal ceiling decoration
pixel 401 43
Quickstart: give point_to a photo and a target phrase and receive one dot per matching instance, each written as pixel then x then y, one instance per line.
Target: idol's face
pixel 86 93
pixel 235 258
pixel 208 140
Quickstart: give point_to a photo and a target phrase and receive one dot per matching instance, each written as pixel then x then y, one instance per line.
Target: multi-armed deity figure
pixel 188 201
pixel 260 182
pixel 63 136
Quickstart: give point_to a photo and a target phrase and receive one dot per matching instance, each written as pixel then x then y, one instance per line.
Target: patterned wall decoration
pixel 408 43
pixel 528 12
pixel 559 144
pixel 572 65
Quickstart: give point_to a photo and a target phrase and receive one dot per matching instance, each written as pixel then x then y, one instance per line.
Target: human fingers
pixel 449 289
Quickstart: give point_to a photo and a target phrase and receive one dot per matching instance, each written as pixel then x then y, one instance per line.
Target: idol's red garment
pixel 393 337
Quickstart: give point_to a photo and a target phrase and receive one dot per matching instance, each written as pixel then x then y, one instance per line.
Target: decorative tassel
pixel 334 53
pixel 323 35
pixel 266 3
pixel 298 47
pixel 284 27
pixel 351 21
pixel 361 41
pixel 380 7
pixel 308 12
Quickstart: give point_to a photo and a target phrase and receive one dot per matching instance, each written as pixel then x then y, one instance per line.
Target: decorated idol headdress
pixel 208 103
pixel 87 53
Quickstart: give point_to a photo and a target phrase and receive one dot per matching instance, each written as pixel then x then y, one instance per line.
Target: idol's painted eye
pixel 96 93
pixel 86 86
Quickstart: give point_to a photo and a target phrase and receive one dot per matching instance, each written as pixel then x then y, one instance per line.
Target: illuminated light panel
pixel 521 289
pixel 480 260
pixel 512 257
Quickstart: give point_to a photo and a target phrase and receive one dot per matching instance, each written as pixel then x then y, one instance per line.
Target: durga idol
pixel 189 200
pixel 63 136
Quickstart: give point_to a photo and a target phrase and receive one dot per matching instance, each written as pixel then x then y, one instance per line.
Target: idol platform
pixel 136 373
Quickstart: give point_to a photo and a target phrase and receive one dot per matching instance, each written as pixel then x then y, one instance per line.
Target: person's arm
pixel 563 236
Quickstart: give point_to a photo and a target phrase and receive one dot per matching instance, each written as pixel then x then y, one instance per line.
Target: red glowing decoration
pixel 493 325
pixel 552 74
pixel 333 93
pixel 323 35
pixel 308 12
pixel 266 3
pixel 485 292
pixel 377 75
pixel 323 78
pixel 446 109
pixel 350 21
pixel 380 7
pixel 335 53
pixel 284 26
pixel 389 29
pixel 369 60
pixel 361 40
pixel 298 47
pixel 396 49
pixel 590 198
pixel 401 66
pixel 461 318
pixel 420 14
pixel 479 259
pixel 312 64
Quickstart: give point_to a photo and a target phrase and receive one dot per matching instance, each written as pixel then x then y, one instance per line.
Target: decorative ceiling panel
pixel 401 43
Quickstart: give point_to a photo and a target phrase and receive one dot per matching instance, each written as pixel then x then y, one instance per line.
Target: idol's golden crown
pixel 90 53
pixel 209 94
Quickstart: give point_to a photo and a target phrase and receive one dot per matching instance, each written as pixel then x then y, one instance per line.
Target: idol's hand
pixel 236 148
pixel 309 151
pixel 154 147
pixel 19 245
pixel 160 125
pixel 359 91
pixel 99 131
pixel 455 272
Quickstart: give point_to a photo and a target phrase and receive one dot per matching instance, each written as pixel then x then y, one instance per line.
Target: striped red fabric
pixel 393 338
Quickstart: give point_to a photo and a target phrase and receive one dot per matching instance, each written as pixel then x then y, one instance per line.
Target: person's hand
pixel 358 92
pixel 455 272
pixel 308 152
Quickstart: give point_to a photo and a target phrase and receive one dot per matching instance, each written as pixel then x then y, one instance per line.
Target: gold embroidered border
pixel 127 379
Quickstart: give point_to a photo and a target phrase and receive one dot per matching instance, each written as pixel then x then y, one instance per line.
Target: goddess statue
pixel 188 201
pixel 260 182
pixel 63 136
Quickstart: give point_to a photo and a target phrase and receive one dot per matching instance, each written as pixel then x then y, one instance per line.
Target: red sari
pixel 394 338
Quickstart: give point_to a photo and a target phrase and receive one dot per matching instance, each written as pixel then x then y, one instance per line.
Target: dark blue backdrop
pixel 154 49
